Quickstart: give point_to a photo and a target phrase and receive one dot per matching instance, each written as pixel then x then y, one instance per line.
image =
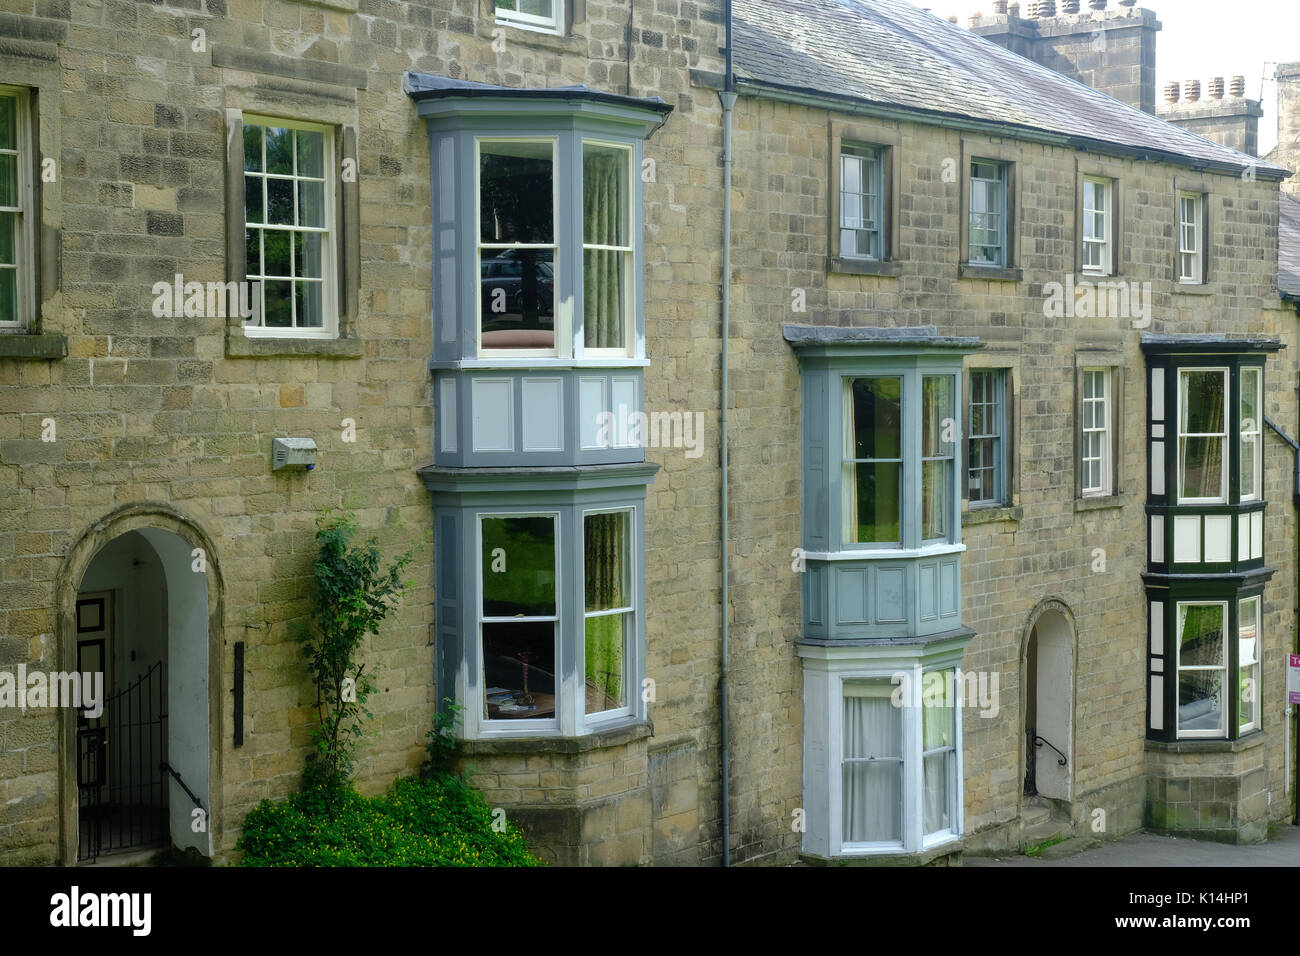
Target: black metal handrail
pixel 172 770
pixel 1040 740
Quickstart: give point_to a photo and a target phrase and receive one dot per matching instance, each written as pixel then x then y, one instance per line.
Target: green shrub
pixel 440 821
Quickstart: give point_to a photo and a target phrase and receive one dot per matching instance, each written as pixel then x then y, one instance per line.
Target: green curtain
pixel 605 560
pixel 604 214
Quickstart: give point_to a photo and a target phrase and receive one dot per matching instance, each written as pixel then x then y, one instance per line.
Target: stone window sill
pixel 552 42
pixel 611 737
pixel 1195 288
pixel 863 267
pixel 1253 739
pixel 34 346
pixel 1099 502
pixel 990 514
pixel 239 345
pixel 966 270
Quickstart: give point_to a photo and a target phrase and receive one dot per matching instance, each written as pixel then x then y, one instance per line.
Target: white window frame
pixel 1190 238
pixel 330 242
pixel 911 761
pixel 525 726
pixel 1101 194
pixel 629 259
pixel 24 231
pixel 1255 665
pixel 1222 436
pixel 631 652
pixel 870 199
pixel 1251 439
pixel 1224 688
pixel 561 319
pixel 1000 212
pixel 1103 434
pixel 529 21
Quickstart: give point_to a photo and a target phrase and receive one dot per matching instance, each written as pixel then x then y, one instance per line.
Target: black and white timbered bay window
pixel 1206 579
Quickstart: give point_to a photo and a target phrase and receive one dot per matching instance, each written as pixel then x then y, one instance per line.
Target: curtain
pixel 605 561
pixel 938 733
pixel 873 790
pixel 936 405
pixel 849 484
pixel 1202 397
pixel 604 214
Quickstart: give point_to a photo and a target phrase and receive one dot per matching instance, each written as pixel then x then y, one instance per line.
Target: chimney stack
pixel 1114 52
pixel 1229 122
pixel 1000 7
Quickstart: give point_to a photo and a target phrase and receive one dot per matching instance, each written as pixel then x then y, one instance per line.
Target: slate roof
pixel 891 53
pixel 1288 246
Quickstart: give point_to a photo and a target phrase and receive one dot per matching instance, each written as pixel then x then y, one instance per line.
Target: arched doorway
pixel 138 601
pixel 1048 705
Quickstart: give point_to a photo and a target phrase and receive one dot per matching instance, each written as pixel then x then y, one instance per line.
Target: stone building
pixel 983 468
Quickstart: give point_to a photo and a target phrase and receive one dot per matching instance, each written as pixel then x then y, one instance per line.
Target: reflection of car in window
pixel 527 284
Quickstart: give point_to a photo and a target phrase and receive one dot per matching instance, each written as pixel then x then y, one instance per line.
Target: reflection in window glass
pixel 519 617
pixel 607 573
pixel 939 749
pixel 1202 434
pixel 1248 657
pixel 1251 449
pixel 517 244
pixel 873 466
pixel 1202 667
pixel 938 431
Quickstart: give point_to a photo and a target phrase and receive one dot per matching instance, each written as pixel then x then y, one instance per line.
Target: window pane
pixel 253 251
pixel 8 122
pixel 279 202
pixel 8 295
pixel 605 195
pixel 1250 451
pixel 934 499
pixel 9 180
pixel 1202 401
pixel 278 313
pixel 1200 695
pixel 279 150
pixel 308 304
pixel 606 560
pixel 872 789
pixel 1202 468
pixel 253 198
pixel 1200 635
pixel 606 663
pixel 311 153
pixel 937 425
pixel 873 502
pixel 851 173
pixel 604 302
pixel 275 243
pixel 518 567
pixel 307 255
pixel 311 204
pixel 519 670
pixel 517 291
pixel 1248 664
pixel 8 237
pixel 252 148
pixel 877 417
pixel 516 187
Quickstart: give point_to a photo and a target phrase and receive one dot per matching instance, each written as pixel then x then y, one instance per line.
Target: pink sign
pixel 1293 679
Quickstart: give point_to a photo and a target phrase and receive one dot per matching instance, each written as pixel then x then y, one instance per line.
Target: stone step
pixel 1031 814
pixel 1059 851
pixel 1042 832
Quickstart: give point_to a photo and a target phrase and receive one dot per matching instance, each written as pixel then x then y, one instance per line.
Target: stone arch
pixel 174 536
pixel 1049 669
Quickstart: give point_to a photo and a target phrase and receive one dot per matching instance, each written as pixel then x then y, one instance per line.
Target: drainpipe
pixel 1295 500
pixel 728 97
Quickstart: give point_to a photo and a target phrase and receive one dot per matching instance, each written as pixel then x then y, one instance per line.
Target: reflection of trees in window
pixel 607 570
pixel 874 460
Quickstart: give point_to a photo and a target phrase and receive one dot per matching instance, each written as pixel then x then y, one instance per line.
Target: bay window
pixel 1202 668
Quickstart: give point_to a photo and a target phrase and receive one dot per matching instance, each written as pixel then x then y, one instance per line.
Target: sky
pixel 1204 38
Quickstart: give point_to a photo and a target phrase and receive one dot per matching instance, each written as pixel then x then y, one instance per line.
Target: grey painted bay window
pixel 882 588
pixel 1206 514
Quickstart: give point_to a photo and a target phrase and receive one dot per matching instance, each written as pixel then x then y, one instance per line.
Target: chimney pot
pixel 1069 6
pixel 1097 4
pixel 973 20
pixel 1192 90
pixel 1216 87
pixel 1171 92
pixel 999 6
pixel 953 18
pixel 1046 8
pixel 1238 87
pixel 1013 10
pixel 1128 3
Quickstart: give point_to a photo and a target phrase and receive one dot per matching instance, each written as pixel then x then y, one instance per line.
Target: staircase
pixel 1040 821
